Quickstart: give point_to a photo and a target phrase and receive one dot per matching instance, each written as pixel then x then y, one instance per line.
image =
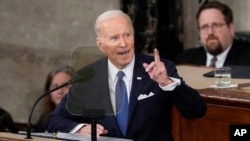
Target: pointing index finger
pixel 156 56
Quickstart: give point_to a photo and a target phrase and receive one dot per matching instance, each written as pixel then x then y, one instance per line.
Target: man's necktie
pixel 213 61
pixel 121 99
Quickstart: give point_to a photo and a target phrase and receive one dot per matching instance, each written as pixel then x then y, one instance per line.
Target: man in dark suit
pixel 152 87
pixel 216 31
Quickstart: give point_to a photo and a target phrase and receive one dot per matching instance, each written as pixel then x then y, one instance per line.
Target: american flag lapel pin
pixel 138 78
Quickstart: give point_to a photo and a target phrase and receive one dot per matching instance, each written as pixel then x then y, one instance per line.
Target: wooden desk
pixel 193 76
pixel 225 107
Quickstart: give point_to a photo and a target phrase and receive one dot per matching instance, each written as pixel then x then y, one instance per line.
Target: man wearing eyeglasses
pixel 216 32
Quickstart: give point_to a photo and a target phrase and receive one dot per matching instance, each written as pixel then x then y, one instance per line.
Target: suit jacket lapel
pixel 101 81
pixel 94 94
pixel 202 57
pixel 232 54
pixel 139 79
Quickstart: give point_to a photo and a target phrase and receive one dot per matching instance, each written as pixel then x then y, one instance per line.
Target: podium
pixel 4 136
pixel 53 137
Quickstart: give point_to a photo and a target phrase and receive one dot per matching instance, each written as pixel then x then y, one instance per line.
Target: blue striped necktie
pixel 121 99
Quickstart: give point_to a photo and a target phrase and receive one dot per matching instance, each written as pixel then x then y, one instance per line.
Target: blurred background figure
pixel 217 36
pixel 6 122
pixel 55 78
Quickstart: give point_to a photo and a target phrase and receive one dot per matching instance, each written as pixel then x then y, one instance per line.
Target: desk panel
pixel 225 107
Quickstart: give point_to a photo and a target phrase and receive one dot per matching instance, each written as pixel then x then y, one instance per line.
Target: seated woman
pixel 55 78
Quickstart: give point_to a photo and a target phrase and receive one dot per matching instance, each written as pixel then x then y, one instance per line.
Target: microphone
pixel 82 75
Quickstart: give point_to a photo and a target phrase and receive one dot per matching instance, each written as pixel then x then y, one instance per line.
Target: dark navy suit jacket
pixel 238 55
pixel 149 118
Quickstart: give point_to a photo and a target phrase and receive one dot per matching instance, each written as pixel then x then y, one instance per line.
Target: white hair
pixel 109 15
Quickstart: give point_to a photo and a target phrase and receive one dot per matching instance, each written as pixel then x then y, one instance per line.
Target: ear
pixel 232 29
pixel 100 45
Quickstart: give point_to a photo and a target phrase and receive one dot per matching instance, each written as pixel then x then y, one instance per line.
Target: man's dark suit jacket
pixel 149 119
pixel 238 55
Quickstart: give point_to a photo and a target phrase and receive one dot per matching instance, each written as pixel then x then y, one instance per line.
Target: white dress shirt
pixel 220 58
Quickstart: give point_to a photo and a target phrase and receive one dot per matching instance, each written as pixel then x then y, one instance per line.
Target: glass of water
pixel 222 77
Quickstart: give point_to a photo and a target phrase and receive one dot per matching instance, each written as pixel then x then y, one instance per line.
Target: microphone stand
pixel 83 76
pixel 93 115
pixel 34 105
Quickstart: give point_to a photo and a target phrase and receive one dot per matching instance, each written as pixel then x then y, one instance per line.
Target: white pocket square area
pixel 144 96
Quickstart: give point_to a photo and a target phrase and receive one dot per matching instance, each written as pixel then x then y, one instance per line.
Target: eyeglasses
pixel 215 27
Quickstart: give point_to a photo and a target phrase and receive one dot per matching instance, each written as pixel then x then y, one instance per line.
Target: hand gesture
pixel 157 70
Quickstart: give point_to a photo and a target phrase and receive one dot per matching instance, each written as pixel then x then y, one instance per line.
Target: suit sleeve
pixel 61 120
pixel 187 100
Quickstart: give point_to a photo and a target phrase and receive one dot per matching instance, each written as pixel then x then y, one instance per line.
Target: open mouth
pixel 123 52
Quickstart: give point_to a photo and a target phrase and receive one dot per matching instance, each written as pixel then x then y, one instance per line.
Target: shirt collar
pixel 220 57
pixel 128 70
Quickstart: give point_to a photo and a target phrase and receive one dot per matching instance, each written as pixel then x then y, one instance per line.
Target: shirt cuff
pixel 172 86
pixel 79 126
